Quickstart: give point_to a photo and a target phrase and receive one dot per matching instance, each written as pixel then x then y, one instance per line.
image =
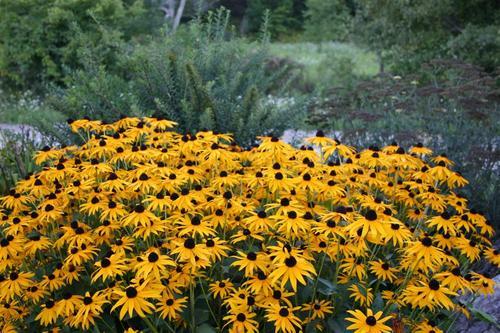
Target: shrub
pixel 16 152
pixel 40 41
pixel 142 225
pixel 201 77
pixel 478 45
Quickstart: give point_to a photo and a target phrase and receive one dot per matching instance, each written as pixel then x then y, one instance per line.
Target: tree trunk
pixel 178 15
pixel 381 62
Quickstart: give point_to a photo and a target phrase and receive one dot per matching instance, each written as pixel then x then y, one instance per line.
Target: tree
pixel 407 33
pixel 285 16
pixel 42 40
pixel 176 10
pixel 328 20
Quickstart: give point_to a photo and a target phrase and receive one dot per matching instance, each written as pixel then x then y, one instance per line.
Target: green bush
pixel 478 45
pixel 40 41
pixel 201 77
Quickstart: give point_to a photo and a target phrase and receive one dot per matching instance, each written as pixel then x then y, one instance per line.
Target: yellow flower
pixel 383 271
pixel 318 309
pixel 170 307
pixel 283 318
pixel 153 265
pixel 134 300
pixel 49 313
pixel 250 262
pixel 368 323
pixel 140 217
pixel 242 322
pixel 89 310
pixel 222 288
pixel 110 267
pixel 293 269
pixel 429 295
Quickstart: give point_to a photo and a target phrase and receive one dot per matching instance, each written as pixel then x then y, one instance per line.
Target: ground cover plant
pixel 144 229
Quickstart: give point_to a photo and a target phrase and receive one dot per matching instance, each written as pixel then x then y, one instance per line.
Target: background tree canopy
pixel 41 41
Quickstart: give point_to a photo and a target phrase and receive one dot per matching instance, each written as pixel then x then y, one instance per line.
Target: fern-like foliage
pixel 203 77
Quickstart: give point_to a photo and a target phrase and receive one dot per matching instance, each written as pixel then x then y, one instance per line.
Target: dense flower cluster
pixel 143 222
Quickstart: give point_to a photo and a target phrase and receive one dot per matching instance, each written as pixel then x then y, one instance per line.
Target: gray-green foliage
pixel 16 156
pixel 451 107
pixel 201 77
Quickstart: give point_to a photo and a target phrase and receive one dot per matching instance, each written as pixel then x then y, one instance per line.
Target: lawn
pixel 329 62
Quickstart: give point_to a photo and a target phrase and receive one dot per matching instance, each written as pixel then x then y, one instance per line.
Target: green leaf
pixel 485 317
pixel 202 315
pixel 335 325
pixel 326 287
pixel 378 303
pixel 205 328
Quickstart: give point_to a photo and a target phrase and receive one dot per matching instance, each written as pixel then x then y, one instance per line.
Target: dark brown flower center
pixel 434 284
pixel 284 312
pixel 153 257
pixel 371 321
pixel 131 292
pixel 371 215
pixel 105 263
pixel 189 243
pixel 290 261
pixel 427 242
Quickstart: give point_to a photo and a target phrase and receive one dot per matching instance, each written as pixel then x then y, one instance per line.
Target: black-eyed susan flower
pixel 242 322
pixel 222 288
pixel 149 221
pixel 293 268
pixel 383 270
pixel 283 318
pixel 318 309
pixel 134 300
pixel 170 307
pixel 251 262
pixel 49 313
pixel 14 284
pixel 89 310
pixel 110 267
pixel 429 295
pixel 368 323
pixel 153 265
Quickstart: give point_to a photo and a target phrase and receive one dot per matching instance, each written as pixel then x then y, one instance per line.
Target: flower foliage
pixel 138 220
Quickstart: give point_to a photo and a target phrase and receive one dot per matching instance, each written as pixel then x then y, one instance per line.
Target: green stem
pixel 208 303
pixel 316 284
pixel 191 302
pixel 150 325
pixel 452 323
